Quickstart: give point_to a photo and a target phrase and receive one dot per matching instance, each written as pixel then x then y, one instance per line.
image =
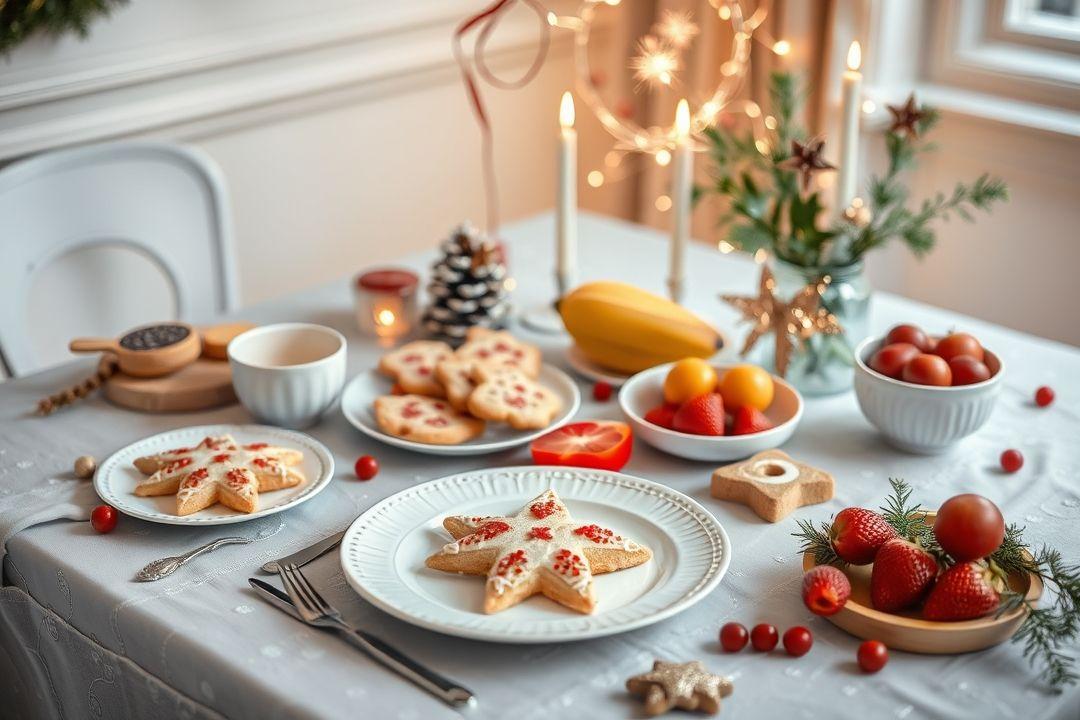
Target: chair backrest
pixel 96 239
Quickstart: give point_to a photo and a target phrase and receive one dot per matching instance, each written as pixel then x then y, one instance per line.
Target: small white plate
pixel 645 391
pixel 358 399
pixel 117 477
pixel 589 370
pixel 383 554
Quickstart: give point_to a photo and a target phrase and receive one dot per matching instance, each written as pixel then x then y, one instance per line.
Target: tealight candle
pixel 386 301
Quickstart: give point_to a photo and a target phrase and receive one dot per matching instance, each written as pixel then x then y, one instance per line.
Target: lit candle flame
pixel 682 119
pixel 854 56
pixel 566 111
pixel 385 318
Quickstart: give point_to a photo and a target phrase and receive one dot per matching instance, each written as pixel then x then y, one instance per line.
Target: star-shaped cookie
pixel 217 470
pixel 772 484
pixel 688 686
pixel 541 549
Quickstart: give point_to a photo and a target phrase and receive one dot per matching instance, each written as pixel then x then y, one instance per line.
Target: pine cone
pixel 467 286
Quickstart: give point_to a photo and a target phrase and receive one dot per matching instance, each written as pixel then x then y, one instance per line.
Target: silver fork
pixel 317 612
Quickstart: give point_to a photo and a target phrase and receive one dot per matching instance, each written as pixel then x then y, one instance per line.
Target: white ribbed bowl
pixel 923 419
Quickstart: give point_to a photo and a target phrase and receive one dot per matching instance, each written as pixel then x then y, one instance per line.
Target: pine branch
pixel 907 519
pixel 21 19
pixel 818 542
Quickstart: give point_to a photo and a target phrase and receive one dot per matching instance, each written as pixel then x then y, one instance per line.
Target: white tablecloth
pixel 83 640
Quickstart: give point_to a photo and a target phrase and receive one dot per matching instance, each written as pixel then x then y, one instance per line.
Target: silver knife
pixel 303 557
pixel 370 644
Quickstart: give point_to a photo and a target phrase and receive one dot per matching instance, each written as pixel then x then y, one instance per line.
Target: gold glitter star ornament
pixel 687 686
pixel 798 320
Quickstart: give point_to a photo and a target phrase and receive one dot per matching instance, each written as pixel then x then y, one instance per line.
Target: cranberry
pixel 872 656
pixel 601 391
pixel 764 637
pixel 1011 461
pixel 797 641
pixel 103 519
pixel 366 467
pixel 1044 396
pixel 733 637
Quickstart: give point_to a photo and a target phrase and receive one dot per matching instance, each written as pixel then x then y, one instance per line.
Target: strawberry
pixel 662 415
pixel 702 415
pixel 965 591
pixel 902 574
pixel 857 533
pixel 825 589
pixel 750 420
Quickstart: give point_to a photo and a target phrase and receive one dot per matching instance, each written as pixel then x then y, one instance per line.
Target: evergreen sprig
pixel 908 519
pixel 20 19
pixel 766 208
pixel 818 542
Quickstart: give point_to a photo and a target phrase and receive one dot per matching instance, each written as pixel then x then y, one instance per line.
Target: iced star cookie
pixel 218 470
pixel 499 350
pixel 412 366
pixel 455 376
pixel 511 396
pixel 540 550
pixel 424 419
pixel 687 686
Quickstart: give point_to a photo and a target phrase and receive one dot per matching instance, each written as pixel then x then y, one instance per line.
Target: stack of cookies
pixel 446 397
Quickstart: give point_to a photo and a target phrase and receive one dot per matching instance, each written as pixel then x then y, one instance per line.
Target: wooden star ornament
pixel 906 117
pixel 798 320
pixel 687 686
pixel 772 484
pixel 806 160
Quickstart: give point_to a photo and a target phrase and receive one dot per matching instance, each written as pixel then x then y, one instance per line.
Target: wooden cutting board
pixel 201 385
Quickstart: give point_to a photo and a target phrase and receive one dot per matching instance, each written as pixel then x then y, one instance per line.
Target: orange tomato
pixel 689 378
pixel 746 385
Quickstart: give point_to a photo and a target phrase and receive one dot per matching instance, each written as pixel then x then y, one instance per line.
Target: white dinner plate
pixel 383 554
pixel 358 401
pixel 117 477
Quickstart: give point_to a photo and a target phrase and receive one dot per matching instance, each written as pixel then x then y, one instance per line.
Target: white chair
pixel 96 239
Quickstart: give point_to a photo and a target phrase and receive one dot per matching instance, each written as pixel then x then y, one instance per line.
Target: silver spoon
pixel 167 566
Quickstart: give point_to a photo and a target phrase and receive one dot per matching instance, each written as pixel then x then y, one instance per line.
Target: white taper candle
pixel 682 182
pixel 566 257
pixel 850 106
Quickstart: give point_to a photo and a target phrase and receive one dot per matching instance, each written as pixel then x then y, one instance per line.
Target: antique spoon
pixel 167 566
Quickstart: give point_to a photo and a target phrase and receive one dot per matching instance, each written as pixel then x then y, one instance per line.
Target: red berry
pixel 764 637
pixel 872 656
pixel 797 641
pixel 601 391
pixel 1044 396
pixel 1011 461
pixel 103 519
pixel 825 590
pixel 733 637
pixel 858 533
pixel 366 467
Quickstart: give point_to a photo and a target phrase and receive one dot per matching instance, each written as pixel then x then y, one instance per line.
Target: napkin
pixel 34 501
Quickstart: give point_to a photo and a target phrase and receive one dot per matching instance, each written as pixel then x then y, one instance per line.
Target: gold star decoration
pixel 906 117
pixel 806 160
pixel 688 686
pixel 798 320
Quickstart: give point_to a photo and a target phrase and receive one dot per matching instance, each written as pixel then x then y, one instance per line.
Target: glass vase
pixel 824 365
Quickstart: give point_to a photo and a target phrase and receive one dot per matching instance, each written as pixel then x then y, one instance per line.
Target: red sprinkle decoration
pixel 539 532
pixel 220 458
pixel 257 446
pixel 1044 396
pixel 512 562
pixel 542 510
pixel 601 391
pixel 599 535
pixel 485 532
pixel 567 563
pixel 177 464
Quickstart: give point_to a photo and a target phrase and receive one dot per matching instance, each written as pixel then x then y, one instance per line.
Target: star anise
pixel 806 160
pixel 906 117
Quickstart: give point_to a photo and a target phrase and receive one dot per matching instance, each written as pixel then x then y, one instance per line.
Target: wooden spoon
pixel 150 350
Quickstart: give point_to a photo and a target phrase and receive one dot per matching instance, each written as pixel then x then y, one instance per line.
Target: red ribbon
pixel 487 20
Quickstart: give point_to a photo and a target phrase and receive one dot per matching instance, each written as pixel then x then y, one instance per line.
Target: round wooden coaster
pixel 201 385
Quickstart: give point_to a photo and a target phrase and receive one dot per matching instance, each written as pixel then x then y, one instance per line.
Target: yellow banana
pixel 627 329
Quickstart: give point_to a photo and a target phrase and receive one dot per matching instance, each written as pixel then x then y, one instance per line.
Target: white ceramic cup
pixel 288 374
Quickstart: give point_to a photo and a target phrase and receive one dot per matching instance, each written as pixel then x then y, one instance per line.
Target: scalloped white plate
pixel 117 477
pixel 383 554
pixel 358 400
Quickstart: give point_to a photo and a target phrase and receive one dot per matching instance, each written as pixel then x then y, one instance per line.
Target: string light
pixel 663 203
pixel 770 122
pixel 725 247
pixel 781 47
pixel 677 28
pixel 663 157
pixel 656 61
pixel 760 256
pixel 869 107
pixel 595 178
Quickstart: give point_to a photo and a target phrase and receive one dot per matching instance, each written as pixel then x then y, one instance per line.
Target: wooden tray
pixel 907 631
pixel 201 385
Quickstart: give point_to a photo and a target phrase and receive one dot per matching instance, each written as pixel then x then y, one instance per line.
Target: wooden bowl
pixel 908 631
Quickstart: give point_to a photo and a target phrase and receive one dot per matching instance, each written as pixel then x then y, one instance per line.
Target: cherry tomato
pixel 797 641
pixel 891 359
pixel 1044 396
pixel 601 391
pixel 910 334
pixel 950 346
pixel 966 370
pixel 969 527
pixel 733 637
pixel 872 656
pixel 103 519
pixel 366 467
pixel 925 369
pixel 1011 461
pixel 764 637
pixel 600 444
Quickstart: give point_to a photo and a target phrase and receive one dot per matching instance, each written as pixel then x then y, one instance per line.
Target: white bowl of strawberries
pixel 951 581
pixel 700 411
pixel 923 393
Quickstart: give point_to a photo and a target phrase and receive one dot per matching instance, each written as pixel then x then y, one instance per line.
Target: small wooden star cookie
pixel 687 686
pixel 772 484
